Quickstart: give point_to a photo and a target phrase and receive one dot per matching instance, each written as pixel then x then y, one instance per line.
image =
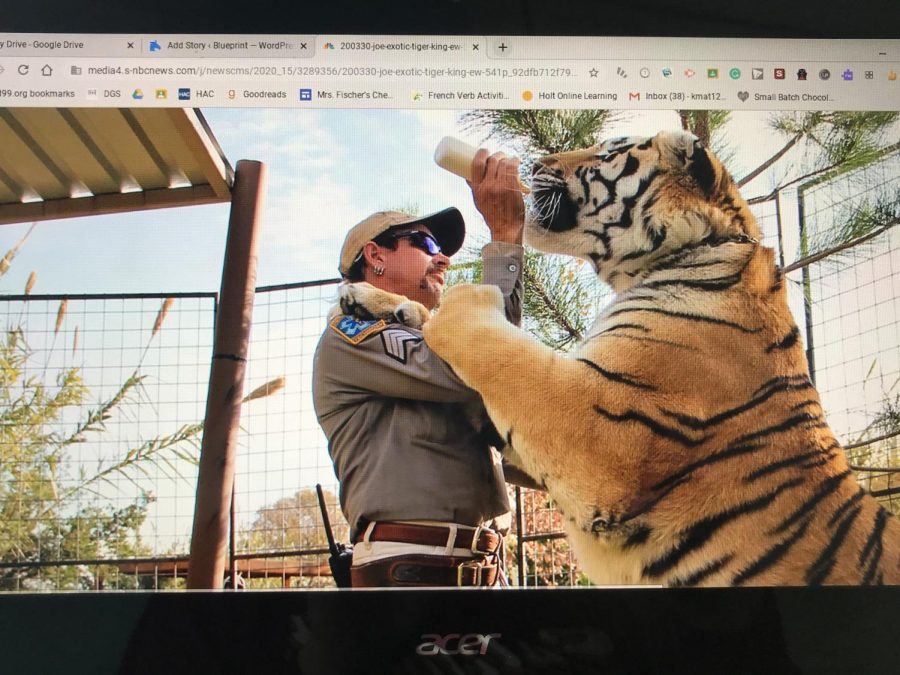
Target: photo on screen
pixel 109 297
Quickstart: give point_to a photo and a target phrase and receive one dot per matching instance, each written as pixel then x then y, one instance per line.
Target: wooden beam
pixel 215 480
pixel 108 203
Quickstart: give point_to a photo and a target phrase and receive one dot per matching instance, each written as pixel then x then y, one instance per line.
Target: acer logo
pixel 470 644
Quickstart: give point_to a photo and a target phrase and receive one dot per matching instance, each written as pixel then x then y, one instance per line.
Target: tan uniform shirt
pixel 399 422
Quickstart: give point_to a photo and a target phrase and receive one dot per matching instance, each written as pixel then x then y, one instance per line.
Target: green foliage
pixel 38 521
pixel 855 222
pixel 841 138
pixel 540 132
pixel 46 513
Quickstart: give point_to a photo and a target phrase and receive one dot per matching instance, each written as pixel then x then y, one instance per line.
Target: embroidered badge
pixel 396 343
pixel 355 331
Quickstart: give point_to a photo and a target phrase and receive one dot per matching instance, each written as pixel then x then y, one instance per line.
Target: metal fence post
pixel 807 287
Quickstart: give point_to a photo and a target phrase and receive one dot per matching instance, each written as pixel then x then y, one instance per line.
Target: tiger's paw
pixel 363 301
pixel 463 308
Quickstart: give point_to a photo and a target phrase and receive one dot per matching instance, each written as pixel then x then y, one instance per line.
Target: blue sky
pixel 327 169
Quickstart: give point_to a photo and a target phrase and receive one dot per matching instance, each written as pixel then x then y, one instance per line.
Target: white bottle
pixel 456 157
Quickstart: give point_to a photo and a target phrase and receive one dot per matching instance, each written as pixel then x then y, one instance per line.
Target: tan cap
pixel 447 226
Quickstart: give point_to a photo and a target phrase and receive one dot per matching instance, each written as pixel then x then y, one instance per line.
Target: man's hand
pixel 498 196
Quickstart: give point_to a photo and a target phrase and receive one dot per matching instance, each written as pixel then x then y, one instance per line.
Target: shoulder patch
pixel 396 343
pixel 355 331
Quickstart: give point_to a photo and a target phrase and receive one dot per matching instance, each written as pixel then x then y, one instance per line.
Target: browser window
pixel 119 155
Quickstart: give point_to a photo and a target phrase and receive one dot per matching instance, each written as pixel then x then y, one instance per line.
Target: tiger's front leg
pixel 543 403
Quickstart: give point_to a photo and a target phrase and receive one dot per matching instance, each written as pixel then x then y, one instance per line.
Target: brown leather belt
pixel 480 541
pixel 422 570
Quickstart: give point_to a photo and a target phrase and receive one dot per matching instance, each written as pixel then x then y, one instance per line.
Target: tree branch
pixel 769 162
pixel 809 260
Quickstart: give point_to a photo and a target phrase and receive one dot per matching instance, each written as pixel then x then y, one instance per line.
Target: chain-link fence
pixel 102 400
pixel 104 396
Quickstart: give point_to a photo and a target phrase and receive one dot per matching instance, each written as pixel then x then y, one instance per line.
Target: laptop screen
pixel 176 216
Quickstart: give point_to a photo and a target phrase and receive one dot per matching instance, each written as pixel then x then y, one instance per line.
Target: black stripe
pixel 826 488
pixel 581 174
pixel 617 326
pixel 803 404
pixel 843 508
pixel 730 452
pixel 652 425
pixel 696 577
pixel 699 533
pixel 741 446
pixel 778 466
pixel 631 166
pixel 776 381
pixel 770 557
pixel 819 462
pixel 701 318
pixel 697 423
pixel 638 537
pixel 618 377
pixel 821 568
pixel 641 338
pixel 786 342
pixel 610 185
pixel 877 531
pixel 716 284
pixel 786 425
pixel 648 505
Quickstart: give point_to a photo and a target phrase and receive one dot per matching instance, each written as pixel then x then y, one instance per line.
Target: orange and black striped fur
pixel 682 440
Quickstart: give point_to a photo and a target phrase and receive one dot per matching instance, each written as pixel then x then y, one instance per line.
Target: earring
pixel 378 269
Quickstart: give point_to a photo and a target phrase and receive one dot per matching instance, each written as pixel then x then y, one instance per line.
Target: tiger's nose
pixel 563 162
pixel 544 163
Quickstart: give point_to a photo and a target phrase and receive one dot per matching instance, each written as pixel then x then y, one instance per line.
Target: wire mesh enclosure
pixel 104 399
pixel 102 413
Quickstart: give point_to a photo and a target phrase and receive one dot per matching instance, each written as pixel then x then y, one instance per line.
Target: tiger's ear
pixel 685 150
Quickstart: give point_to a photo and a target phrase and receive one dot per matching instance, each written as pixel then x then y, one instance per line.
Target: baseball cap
pixel 447 226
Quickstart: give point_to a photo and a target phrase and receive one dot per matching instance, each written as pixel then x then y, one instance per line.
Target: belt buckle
pixel 474 547
pixel 474 564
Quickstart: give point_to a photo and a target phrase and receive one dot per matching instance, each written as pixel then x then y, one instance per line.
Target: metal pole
pixel 807 287
pixel 520 532
pixel 215 480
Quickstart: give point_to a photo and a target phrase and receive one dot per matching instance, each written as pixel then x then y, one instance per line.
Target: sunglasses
pixel 421 240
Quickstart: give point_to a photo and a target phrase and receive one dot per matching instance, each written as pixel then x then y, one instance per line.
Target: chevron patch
pixel 396 343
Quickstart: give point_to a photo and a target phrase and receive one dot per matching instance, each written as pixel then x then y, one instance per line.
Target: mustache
pixel 424 284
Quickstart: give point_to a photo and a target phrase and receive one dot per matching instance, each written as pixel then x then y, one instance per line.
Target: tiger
pixel 682 440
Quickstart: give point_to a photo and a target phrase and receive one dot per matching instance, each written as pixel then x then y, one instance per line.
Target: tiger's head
pixel 628 202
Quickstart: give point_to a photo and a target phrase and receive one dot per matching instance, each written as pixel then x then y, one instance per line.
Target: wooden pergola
pixel 70 162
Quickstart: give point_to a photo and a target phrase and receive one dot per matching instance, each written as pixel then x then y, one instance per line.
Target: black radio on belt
pixel 341 554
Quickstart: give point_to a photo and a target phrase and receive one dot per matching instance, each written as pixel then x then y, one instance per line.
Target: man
pixel 419 483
